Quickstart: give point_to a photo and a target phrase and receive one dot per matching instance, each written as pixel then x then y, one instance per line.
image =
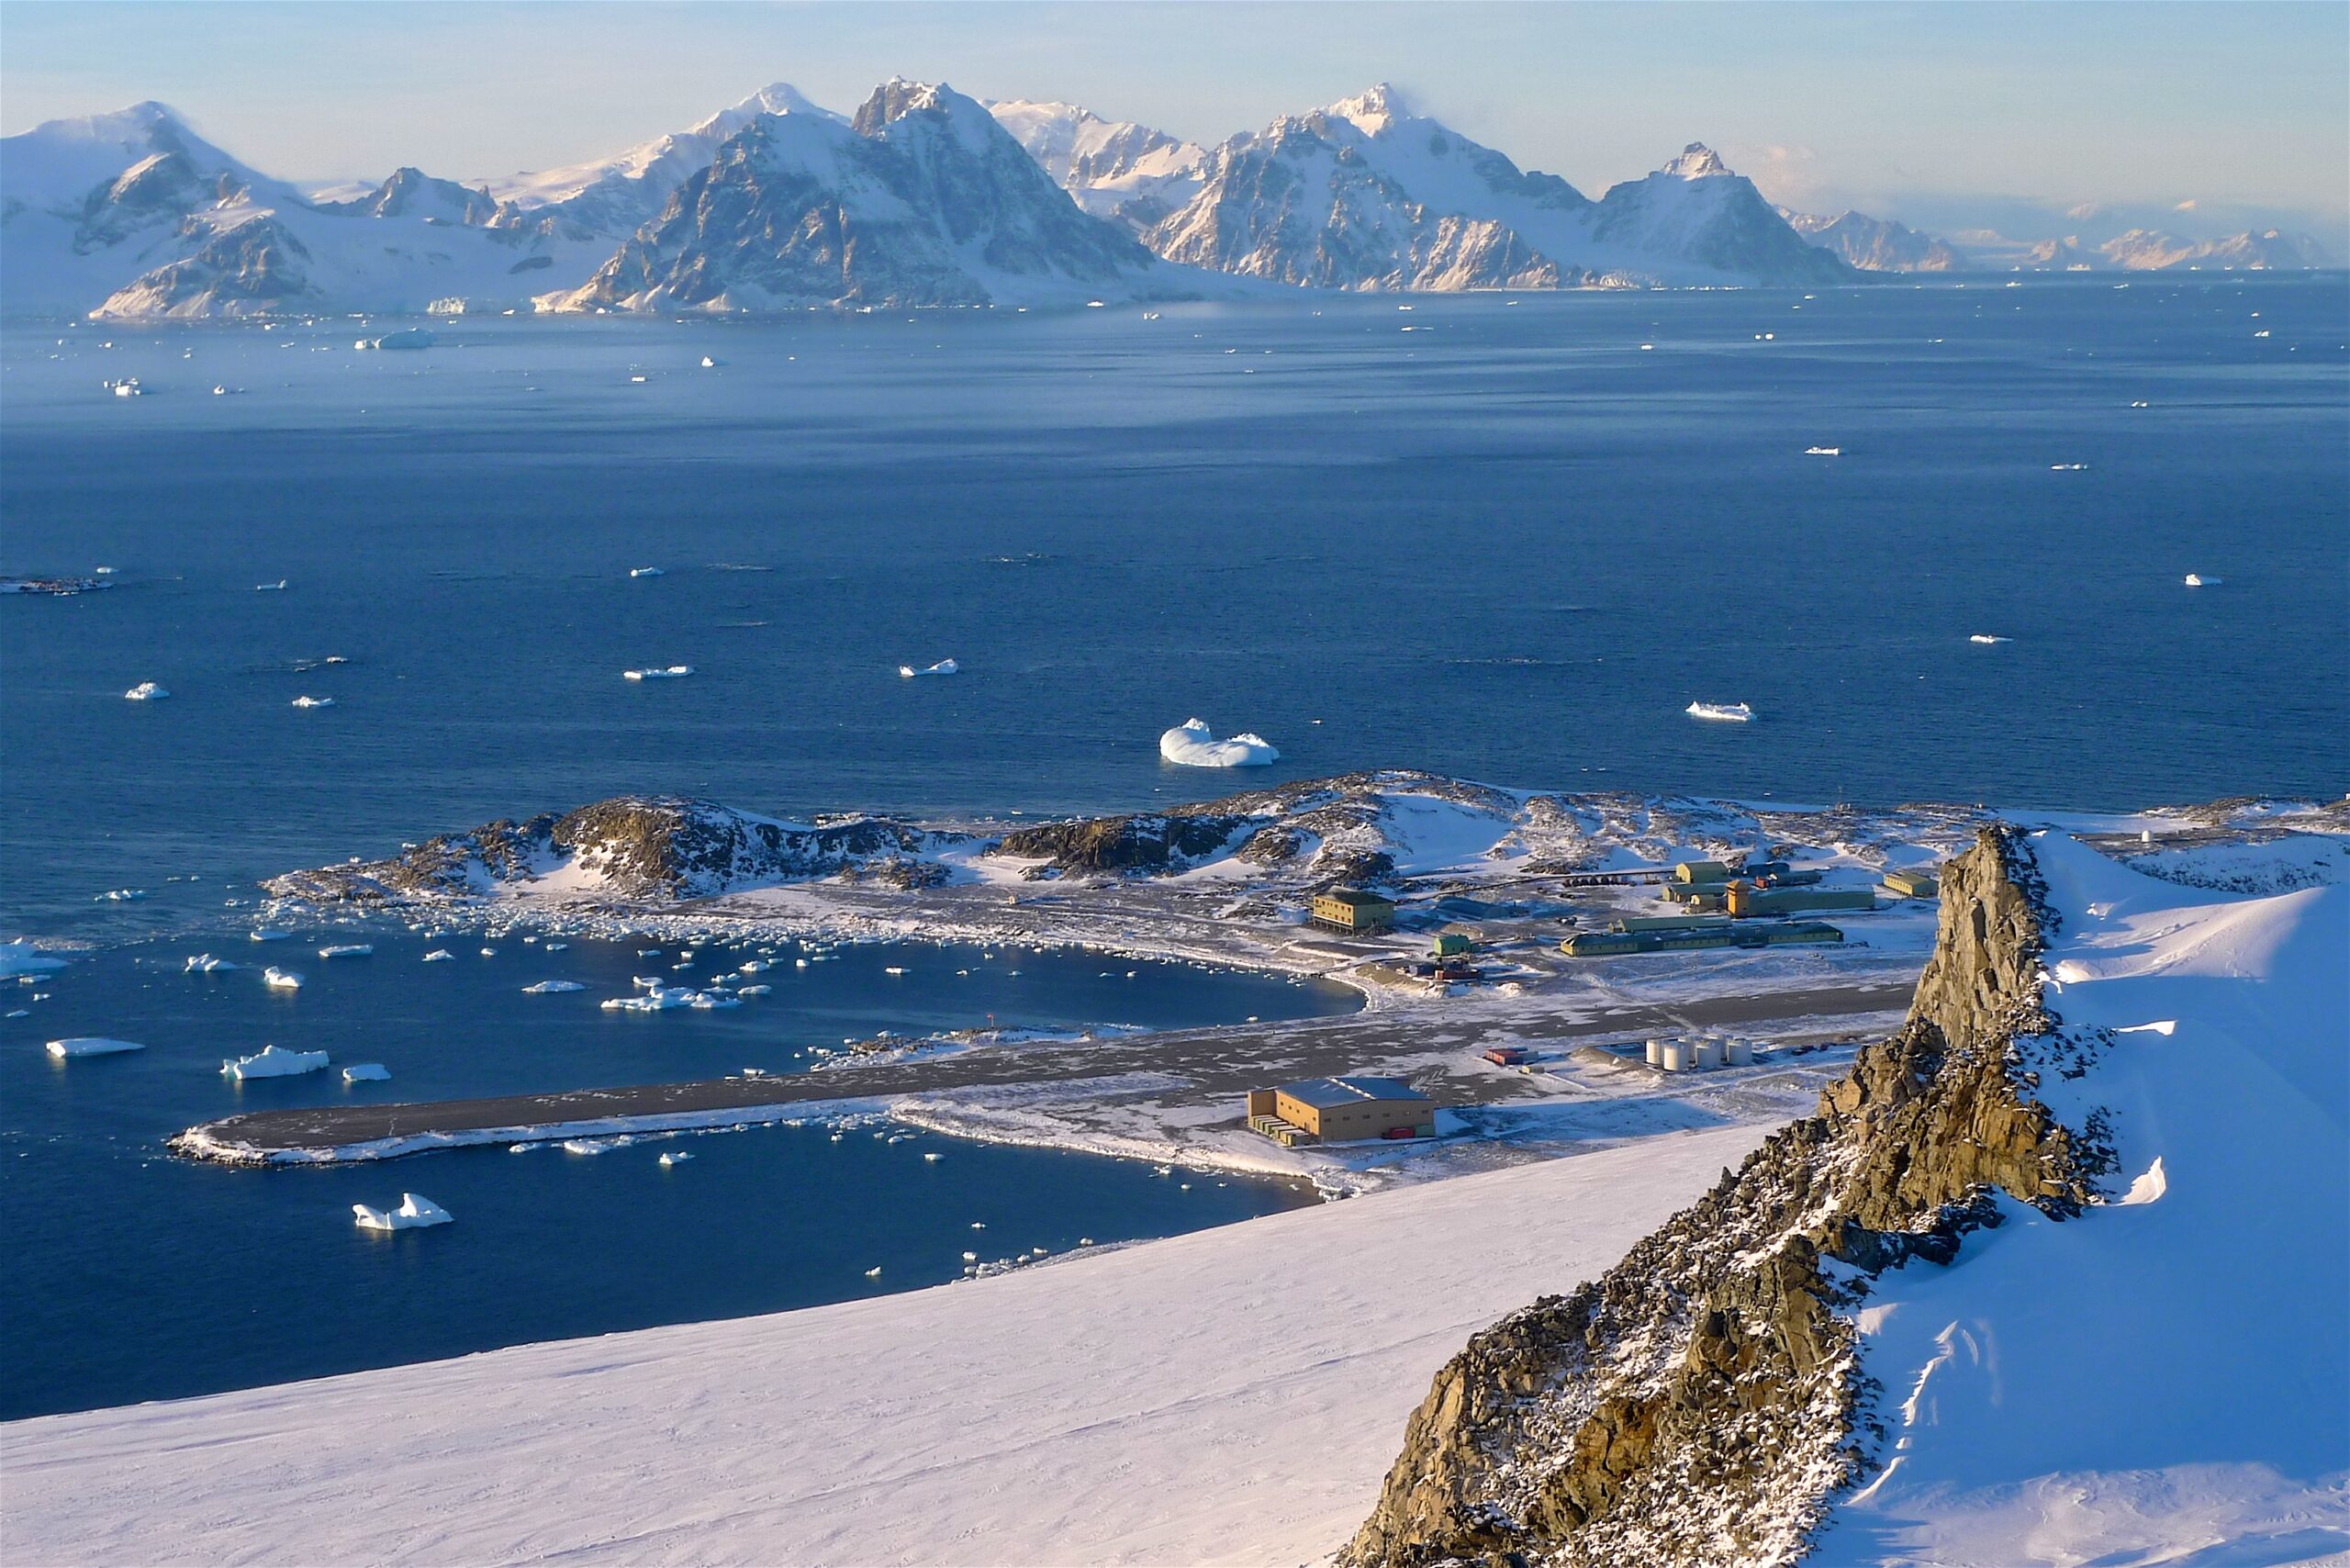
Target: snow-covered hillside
pixel 1114 169
pixel 1875 244
pixel 1364 193
pixel 2151 249
pixel 1227 1396
pixel 923 199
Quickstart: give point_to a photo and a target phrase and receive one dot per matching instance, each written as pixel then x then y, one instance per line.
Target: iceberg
pixel 313 702
pixel 366 1072
pixel 414 1212
pixel 269 933
pixel 24 958
pixel 91 1046
pixel 675 672
pixel 1728 713
pixel 552 987
pixel 406 338
pixel 278 587
pixel 281 979
pixel 145 692
pixel 440 955
pixel 1986 639
pixel 121 895
pixel 1823 452
pixel 2197 579
pixel 206 963
pixel 1193 745
pixel 271 1062
pixel 676 1157
pixel 647 572
pixel 944 667
pixel 349 950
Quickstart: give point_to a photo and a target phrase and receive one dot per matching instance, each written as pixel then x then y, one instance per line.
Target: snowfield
pixel 1233 1395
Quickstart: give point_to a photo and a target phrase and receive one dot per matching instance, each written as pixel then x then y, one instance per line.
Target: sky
pixel 1950 114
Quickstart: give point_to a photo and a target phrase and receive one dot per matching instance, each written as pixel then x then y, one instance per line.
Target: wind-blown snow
pixel 2164 1376
pixel 1193 745
pixel 1233 1395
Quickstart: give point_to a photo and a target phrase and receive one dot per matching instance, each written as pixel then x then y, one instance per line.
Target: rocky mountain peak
pixel 1696 161
pixel 892 101
pixel 1372 110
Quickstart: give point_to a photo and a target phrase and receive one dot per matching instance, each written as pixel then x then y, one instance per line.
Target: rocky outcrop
pixel 1702 1402
pixel 1142 842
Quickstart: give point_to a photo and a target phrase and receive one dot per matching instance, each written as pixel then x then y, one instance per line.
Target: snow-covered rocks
pixel 944 667
pixel 272 1062
pixel 91 1046
pixel 669 672
pixel 1193 744
pixel 366 1072
pixel 281 979
pixel 415 1213
pixel 1721 712
pixel 145 692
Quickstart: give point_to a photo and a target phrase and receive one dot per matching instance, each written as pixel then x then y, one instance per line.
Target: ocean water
pixel 135 1275
pixel 1508 539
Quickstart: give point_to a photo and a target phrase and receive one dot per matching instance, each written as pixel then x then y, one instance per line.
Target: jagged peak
pixel 895 99
pixel 1696 161
pixel 1372 109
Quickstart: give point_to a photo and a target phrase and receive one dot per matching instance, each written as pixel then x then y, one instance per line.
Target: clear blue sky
pixel 2234 106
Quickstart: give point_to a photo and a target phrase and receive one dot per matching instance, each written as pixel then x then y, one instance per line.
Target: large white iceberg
pixel 271 1062
pixel 1726 712
pixel 1193 745
pixel 281 979
pixel 145 692
pixel 414 1212
pixel 944 667
pixel 91 1046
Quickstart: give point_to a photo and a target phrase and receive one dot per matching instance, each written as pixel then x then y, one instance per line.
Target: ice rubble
pixel 91 1046
pixel 272 1062
pixel 1728 712
pixel 414 1212
pixel 944 667
pixel 552 987
pixel 206 963
pixel 1193 745
pixel 673 672
pixel 366 1072
pixel 145 692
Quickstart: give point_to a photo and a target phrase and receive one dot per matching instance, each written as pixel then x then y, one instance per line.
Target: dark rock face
pixel 1151 843
pixel 257 264
pixel 1702 1402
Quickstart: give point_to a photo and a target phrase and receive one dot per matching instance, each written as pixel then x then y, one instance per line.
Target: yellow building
pixel 1336 1109
pixel 1353 911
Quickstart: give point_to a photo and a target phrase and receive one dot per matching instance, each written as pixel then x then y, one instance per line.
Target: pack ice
pixel 1193 745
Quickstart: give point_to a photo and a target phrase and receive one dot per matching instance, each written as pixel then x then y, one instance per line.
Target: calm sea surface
pixel 1510 541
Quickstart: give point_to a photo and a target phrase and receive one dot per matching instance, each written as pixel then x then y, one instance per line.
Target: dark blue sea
pixel 1509 539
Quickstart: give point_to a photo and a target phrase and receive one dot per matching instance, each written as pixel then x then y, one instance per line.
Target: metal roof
pixel 1326 1093
pixel 1358 896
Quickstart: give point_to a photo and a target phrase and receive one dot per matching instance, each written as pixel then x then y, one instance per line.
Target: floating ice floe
pixel 271 1062
pixel 676 1157
pixel 1986 639
pixel 415 1213
pixel 552 987
pixel 2197 579
pixel 673 672
pixel 313 702
pixel 349 950
pixel 556 947
pixel 1823 452
pixel 1193 745
pixel 92 1046
pixel 281 979
pixel 440 955
pixel 145 692
pixel 366 1072
pixel 2067 467
pixel 406 338
pixel 710 999
pixel 120 895
pixel 656 998
pixel 647 572
pixel 278 587
pixel 206 963
pixel 24 958
pixel 944 667
pixel 755 991
pixel 1726 712
pixel 270 933
pixel 710 364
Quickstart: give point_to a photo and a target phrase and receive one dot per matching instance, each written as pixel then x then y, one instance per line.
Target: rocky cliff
pixel 1702 1402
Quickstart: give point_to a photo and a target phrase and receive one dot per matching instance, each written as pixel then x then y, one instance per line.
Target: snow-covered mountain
pixel 1875 244
pixel 921 199
pixel 1114 169
pixel 1365 194
pixel 2151 249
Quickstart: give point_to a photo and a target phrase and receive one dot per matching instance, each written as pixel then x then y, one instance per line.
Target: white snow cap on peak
pixel 1372 110
pixel 774 98
pixel 1696 162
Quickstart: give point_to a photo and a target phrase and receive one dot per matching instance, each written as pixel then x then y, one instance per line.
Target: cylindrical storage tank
pixel 1656 1053
pixel 1710 1053
pixel 1676 1057
pixel 1742 1053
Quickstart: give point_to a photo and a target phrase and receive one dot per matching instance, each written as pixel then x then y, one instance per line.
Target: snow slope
pixel 1111 168
pixel 1232 1395
pixel 2162 1379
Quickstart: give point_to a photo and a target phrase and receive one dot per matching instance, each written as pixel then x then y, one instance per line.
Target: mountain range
pixel 924 197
